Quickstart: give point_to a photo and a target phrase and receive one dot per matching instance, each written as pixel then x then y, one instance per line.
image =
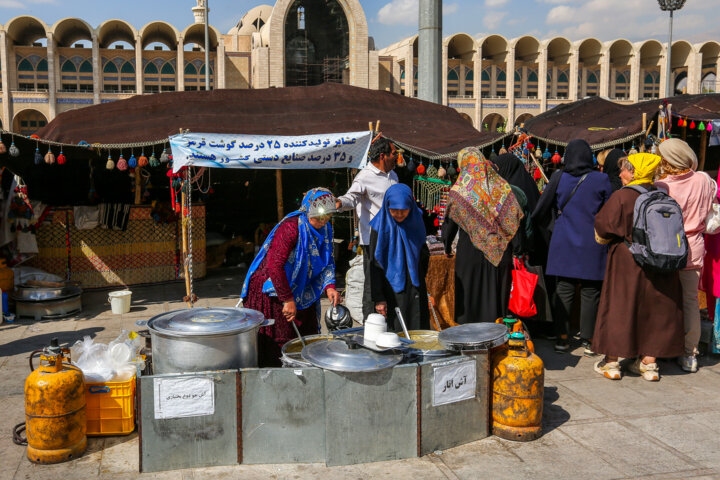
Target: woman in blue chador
pixel 293 268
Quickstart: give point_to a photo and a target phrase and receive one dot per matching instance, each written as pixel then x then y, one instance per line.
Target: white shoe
pixel 649 371
pixel 688 363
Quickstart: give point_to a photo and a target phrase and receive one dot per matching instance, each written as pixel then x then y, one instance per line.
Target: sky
pixel 392 20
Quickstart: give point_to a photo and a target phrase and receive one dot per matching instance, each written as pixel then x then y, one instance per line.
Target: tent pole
pixel 186 266
pixel 279 194
pixel 138 186
pixel 703 150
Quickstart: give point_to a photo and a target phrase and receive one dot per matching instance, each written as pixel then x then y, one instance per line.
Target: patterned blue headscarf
pixel 310 268
pixel 399 244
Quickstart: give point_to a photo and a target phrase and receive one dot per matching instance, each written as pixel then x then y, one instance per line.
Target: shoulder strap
pixel 582 179
pixel 638 188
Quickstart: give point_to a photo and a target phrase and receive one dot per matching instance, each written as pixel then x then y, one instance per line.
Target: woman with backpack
pixel 573 197
pixel 694 193
pixel 640 312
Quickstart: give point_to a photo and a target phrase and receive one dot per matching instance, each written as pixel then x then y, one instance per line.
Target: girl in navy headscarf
pixel 290 272
pixel 400 260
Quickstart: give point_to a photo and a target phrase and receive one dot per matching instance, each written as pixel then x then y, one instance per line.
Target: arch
pixel 353 14
pixel 191 70
pixel 68 66
pixel 452 75
pixel 710 52
pixel 85 67
pixel 110 67
pixel 252 21
pixel 517 77
pixel 485 75
pixel 467 117
pixel 114 30
pixel 559 50
pixel 494 48
pixel 24 30
pixel 28 121
pixel 651 53
pixel 501 76
pixel 128 68
pixel 195 33
pixel 589 51
pixel 151 69
pixel 708 84
pixel 167 69
pixel 493 122
pixel 681 80
pixel 562 77
pixel 522 118
pixel 681 51
pixel 201 70
pixel 42 65
pixel 469 76
pixel 592 78
pixel 527 49
pixel 532 76
pixel 25 66
pixel 461 46
pixel 160 32
pixel 620 78
pixel 69 30
pixel 620 51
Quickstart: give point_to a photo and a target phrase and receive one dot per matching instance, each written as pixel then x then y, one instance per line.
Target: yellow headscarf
pixel 645 165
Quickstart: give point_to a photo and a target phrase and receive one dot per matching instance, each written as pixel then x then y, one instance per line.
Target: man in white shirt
pixel 365 196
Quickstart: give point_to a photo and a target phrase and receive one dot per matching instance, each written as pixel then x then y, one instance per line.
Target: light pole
pixel 671 6
pixel 207 45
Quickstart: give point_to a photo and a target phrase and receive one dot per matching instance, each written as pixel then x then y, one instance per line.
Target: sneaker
pixel 649 371
pixel 688 363
pixel 587 349
pixel 562 345
pixel 609 370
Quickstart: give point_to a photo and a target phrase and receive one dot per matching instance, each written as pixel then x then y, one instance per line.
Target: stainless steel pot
pixel 202 339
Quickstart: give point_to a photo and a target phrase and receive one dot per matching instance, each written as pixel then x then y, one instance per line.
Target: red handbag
pixel 522 290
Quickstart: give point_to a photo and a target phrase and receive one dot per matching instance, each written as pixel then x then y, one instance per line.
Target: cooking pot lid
pixel 206 321
pixel 474 335
pixel 337 355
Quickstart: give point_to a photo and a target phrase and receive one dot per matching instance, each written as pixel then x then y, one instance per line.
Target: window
pixel 68 66
pixel 501 76
pixel 110 67
pixel 485 76
pixel 26 86
pixel 151 69
pixel 127 68
pixel 562 77
pixel 452 75
pixel 191 70
pixel 168 69
pixel 25 66
pixel 620 78
pixel 168 88
pixel 42 66
pixel 111 88
pixel 69 87
pixel 517 77
pixel 532 77
pixel 152 89
pixel 86 67
pixel 127 88
pixel 84 87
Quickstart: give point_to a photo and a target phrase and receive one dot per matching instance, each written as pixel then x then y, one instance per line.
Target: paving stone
pixel 615 396
pixel 627 450
pixel 120 455
pixel 561 405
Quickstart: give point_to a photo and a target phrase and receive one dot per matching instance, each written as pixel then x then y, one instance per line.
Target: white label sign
pixel 453 383
pixel 177 397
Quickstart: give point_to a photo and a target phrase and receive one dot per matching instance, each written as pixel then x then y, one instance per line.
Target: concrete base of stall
pixel 310 415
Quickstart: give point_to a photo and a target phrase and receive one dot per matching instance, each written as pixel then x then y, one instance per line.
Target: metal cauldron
pixel 202 339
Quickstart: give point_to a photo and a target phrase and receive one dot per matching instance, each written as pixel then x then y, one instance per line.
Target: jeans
pixel 689 280
pixel 563 300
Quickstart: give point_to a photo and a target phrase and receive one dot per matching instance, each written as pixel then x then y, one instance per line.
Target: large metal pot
pixel 202 339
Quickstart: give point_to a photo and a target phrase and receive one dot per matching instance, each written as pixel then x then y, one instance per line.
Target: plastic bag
pixel 354 287
pixel 522 290
pixel 115 362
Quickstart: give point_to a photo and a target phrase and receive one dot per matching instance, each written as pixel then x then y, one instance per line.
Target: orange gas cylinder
pixel 55 408
pixel 7 277
pixel 516 325
pixel 518 386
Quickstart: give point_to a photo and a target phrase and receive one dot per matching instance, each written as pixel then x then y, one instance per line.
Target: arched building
pixel 492 81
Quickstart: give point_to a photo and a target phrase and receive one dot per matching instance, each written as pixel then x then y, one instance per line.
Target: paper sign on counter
pixel 453 383
pixel 177 397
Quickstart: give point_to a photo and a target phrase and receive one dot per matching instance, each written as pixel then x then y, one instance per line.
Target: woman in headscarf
pixel 640 312
pixel 400 259
pixel 611 168
pixel 293 268
pixel 694 193
pixel 483 208
pixel 574 195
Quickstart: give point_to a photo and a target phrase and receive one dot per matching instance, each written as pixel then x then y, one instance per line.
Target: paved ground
pixel 594 428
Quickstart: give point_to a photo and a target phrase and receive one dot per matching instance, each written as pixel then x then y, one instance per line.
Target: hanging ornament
pixel 633 150
pixel 594 160
pixel 164 157
pixel 701 127
pixel 132 161
pixel 154 162
pixel 680 122
pixel 708 127
pixel 61 158
pixel 431 171
pixel 400 159
pixel 537 174
pixel 3 148
pixel 441 172
pixel 110 164
pixel 692 125
pixel 142 160
pixel 411 166
pixel 420 169
pixel 38 156
pixel 13 150
pixel 452 171
pixel 503 150
pixel 547 155
pixel 493 156
pixel 556 158
pixel 49 157
pixel 122 164
pixel 538 152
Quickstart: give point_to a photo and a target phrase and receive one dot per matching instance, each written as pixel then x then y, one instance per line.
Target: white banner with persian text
pixel 332 150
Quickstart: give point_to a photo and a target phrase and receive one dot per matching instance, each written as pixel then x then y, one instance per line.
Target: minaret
pixel 199 11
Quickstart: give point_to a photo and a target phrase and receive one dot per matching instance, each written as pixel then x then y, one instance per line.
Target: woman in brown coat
pixel 640 313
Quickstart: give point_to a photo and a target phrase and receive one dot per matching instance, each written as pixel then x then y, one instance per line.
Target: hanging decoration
pixel 452 171
pixel 503 150
pixel 38 158
pixel 110 164
pixel 121 164
pixel 692 124
pixel 430 192
pixel 709 127
pixel 431 171
pixel 556 158
pixel 142 160
pixel 132 161
pixel 420 169
pixel 13 150
pixel 441 172
pixel 633 150
pixel 61 158
pixel 164 156
pixel 49 157
pixel 701 127
pixel 493 155
pixel 154 162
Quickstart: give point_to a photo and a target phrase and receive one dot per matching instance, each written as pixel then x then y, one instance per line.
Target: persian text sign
pixel 332 150
pixel 177 397
pixel 453 383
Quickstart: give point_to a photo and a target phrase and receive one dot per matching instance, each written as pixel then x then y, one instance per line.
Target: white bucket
pixel 120 301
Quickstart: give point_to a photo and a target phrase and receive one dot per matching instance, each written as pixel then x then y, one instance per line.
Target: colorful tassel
pixel 538 153
pixel 49 157
pixel 122 164
pixel 13 150
pixel 633 150
pixel 692 125
pixel 164 157
pixel 442 172
pixel 132 162
pixel 452 171
pixel 110 164
pixel 556 158
pixel 701 127
pixel 38 157
pixel 61 158
pixel 421 169
pixel 142 160
pixel 154 162
pixel 502 151
pixel 709 127
pixel 547 155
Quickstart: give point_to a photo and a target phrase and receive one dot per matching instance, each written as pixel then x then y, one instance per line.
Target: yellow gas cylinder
pixel 55 408
pixel 517 398
pixel 516 325
pixel 7 277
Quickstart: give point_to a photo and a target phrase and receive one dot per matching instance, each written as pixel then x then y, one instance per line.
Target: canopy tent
pixel 427 129
pixel 604 124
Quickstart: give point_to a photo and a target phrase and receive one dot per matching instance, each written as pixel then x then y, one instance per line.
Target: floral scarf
pixel 310 268
pixel 483 205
